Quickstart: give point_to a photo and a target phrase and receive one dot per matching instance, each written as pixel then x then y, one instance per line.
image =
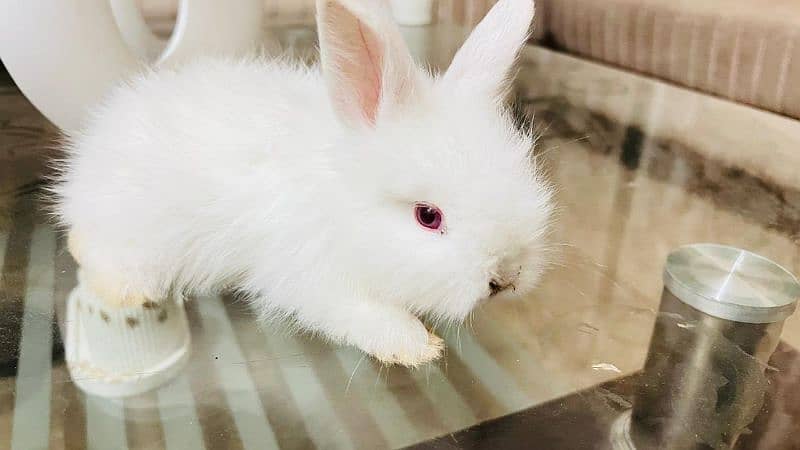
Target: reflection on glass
pixel 720 320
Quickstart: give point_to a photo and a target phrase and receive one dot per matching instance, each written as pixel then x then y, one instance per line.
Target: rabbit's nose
pixel 504 279
pixel 504 276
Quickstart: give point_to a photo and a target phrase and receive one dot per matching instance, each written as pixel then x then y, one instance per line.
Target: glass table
pixel 556 370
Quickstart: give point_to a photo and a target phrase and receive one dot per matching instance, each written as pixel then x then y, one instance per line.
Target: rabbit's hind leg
pixel 107 281
pixel 121 337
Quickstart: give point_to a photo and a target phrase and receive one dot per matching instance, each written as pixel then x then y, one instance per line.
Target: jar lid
pixel 731 283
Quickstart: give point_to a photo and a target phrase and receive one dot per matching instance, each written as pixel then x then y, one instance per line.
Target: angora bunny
pixel 350 197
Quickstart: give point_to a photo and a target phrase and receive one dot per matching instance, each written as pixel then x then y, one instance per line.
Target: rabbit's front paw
pixel 410 353
pixel 389 334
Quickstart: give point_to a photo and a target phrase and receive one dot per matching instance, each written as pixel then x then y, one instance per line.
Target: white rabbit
pixel 349 197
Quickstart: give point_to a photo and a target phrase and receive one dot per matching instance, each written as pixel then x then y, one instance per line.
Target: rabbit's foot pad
pixel 431 351
pixel 114 295
pixel 117 294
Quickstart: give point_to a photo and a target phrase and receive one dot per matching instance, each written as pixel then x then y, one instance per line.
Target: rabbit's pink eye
pixel 429 216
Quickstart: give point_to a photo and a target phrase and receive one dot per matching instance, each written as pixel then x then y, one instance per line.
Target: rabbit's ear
pixel 365 61
pixel 483 63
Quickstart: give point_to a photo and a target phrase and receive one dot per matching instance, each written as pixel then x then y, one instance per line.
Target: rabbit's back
pixel 171 165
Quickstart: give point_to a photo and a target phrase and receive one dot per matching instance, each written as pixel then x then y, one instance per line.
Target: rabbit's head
pixel 446 207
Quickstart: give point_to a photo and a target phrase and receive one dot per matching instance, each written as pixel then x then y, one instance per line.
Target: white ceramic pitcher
pixel 65 54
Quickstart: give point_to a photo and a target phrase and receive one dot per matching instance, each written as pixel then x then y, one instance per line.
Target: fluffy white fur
pixel 297 185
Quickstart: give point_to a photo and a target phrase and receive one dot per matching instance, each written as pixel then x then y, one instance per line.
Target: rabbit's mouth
pixel 497 290
pixel 504 281
pixel 496 287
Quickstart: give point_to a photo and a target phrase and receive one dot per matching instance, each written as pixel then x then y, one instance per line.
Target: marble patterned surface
pixel 625 201
pixel 736 136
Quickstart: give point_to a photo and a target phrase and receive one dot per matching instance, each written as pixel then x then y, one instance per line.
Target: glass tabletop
pixel 626 197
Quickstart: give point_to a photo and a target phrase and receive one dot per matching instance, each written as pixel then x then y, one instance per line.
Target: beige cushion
pixel 745 50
